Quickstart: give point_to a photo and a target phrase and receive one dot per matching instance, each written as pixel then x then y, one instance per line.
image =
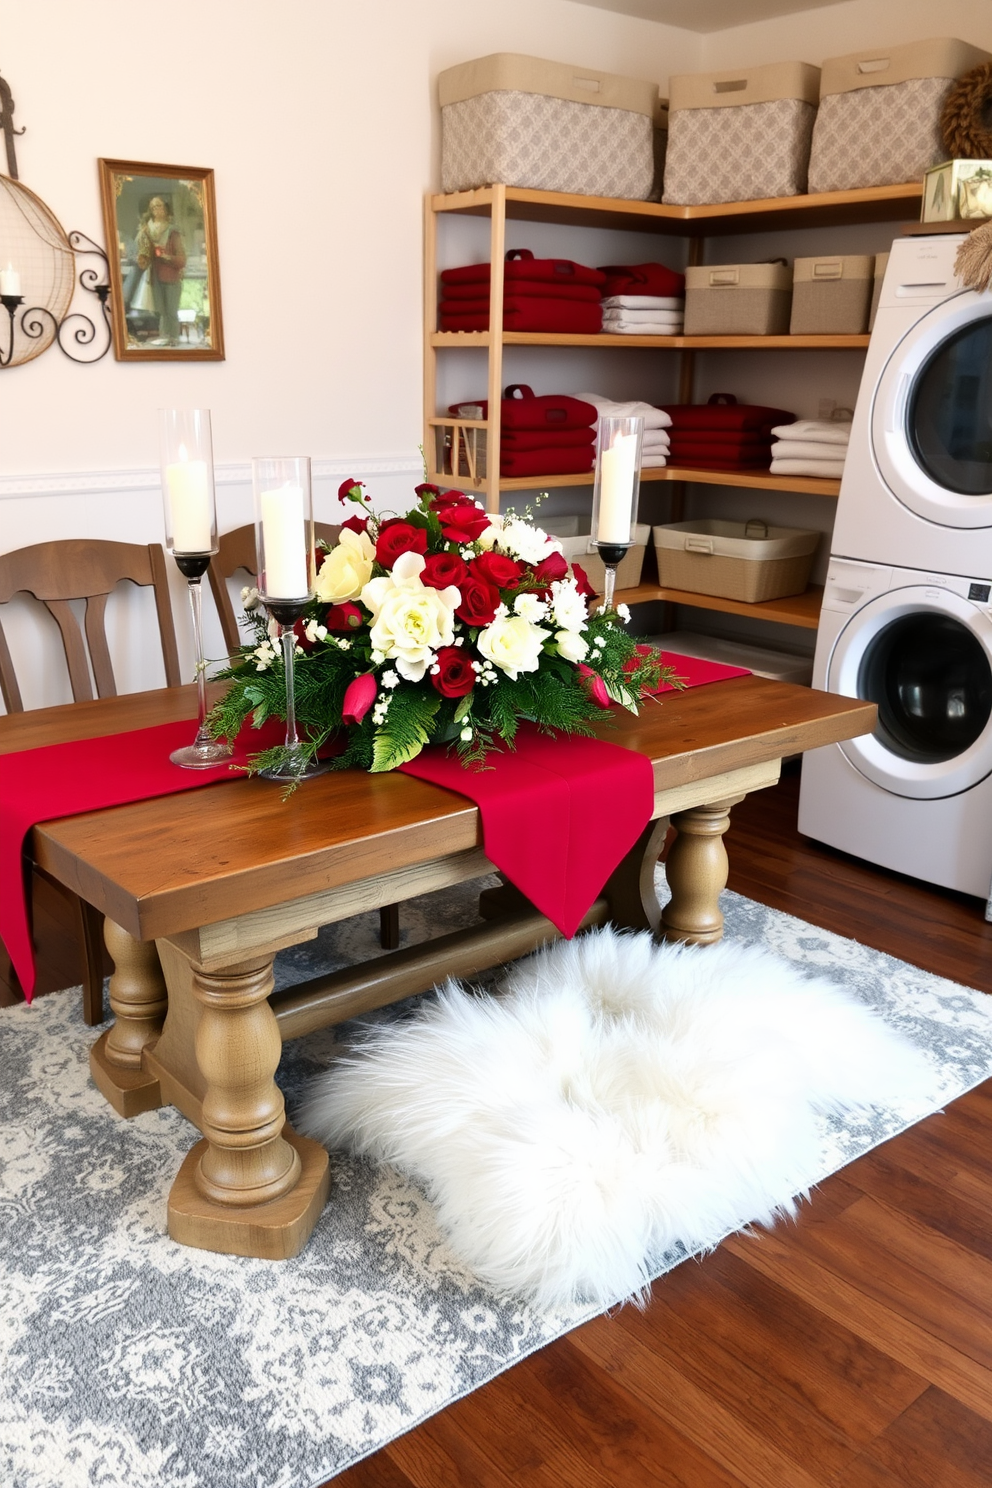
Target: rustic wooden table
pixel 201 889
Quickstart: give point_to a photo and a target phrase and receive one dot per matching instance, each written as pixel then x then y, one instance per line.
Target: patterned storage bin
pixel 740 136
pixel 879 118
pixel 522 121
pixel 831 295
pixel 738 299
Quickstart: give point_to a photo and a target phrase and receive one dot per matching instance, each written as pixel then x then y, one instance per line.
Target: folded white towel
pixel 655 441
pixel 826 469
pixel 822 431
pixel 653 462
pixel 644 302
pixel 642 328
pixel 643 317
pixel 654 418
pixel 807 449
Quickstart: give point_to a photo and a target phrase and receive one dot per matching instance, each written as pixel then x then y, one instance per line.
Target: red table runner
pixel 557 814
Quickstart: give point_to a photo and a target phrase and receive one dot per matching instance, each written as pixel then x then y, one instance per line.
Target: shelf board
pixel 752 480
pixel 934 229
pixel 823 209
pixel 463 339
pixel 797 609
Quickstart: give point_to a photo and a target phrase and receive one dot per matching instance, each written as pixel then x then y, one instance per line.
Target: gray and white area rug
pixel 127 1361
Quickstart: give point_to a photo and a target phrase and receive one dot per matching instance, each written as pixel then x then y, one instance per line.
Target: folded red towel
pixel 546 439
pixel 724 412
pixel 574 460
pixel 702 448
pixel 734 438
pixel 576 317
pixel 521 409
pixel 642 279
pixel 521 264
pixel 537 289
pixel 714 462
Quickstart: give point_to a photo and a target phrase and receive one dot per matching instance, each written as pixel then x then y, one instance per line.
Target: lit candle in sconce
pixel 10 281
pixel 189 504
pixel 616 495
pixel 284 538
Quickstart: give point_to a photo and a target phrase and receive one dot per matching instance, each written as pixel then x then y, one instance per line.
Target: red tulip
pixel 595 686
pixel 359 698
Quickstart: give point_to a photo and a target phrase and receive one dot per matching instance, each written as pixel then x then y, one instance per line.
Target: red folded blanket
pixel 566 460
pixel 521 409
pixel 732 438
pixel 714 462
pixel 539 439
pixel 575 317
pixel 724 412
pixel 642 279
pixel 541 289
pixel 702 449
pixel 521 264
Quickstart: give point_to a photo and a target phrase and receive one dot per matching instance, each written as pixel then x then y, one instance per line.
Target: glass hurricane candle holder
pixel 187 465
pixel 286 571
pixel 615 493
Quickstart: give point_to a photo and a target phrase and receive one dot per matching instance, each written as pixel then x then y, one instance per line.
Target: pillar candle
pixel 190 505
pixel 616 490
pixel 10 281
pixel 284 536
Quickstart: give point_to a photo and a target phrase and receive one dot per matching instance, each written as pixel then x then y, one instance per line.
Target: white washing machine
pixel 917 485
pixel 916 795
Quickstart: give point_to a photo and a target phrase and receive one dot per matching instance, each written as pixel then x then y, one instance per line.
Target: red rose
pixel 346 488
pixel 425 489
pixel 447 498
pixel 359 698
pixel 595 686
pixel 344 617
pixel 497 569
pixel 357 524
pixel 582 579
pixel 456 676
pixel 551 568
pixel 302 639
pixel 443 569
pixel 479 602
pixel 396 537
pixel 319 554
pixel 463 524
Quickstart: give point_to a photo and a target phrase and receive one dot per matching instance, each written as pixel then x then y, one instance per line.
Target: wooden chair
pixel 85 569
pixel 236 552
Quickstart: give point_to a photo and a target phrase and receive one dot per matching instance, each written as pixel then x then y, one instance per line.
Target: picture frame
pixel 161 229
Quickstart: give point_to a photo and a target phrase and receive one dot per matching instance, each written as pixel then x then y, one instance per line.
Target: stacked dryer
pixel 907 613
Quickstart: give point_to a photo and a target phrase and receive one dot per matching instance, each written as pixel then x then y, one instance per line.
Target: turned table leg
pixel 252 1186
pixel 630 888
pixel 697 870
pixel 139 1001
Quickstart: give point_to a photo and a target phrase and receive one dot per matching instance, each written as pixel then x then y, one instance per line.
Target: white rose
pixel 527 543
pixel 346 569
pixel 488 539
pixel 513 644
pixel 531 607
pixel 568 606
pixel 411 620
pixel 571 645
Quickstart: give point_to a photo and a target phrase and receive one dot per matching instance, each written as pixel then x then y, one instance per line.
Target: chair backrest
pixel 237 551
pixel 89 569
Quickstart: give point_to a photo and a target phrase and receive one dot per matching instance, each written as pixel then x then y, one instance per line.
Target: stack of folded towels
pixel 654 444
pixel 643 300
pixel 723 434
pixel 539 294
pixel 550 435
pixel 811 447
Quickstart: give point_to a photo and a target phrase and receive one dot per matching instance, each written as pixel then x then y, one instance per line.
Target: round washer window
pixel 932 682
pixel 950 412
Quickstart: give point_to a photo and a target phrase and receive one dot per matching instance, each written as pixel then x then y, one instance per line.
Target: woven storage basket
pixel 739 136
pixel 879 117
pixel 738 300
pixel 578 547
pixel 523 121
pixel 747 561
pixel 831 295
pixel 881 263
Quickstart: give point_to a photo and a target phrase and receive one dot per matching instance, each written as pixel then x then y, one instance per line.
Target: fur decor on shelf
pixel 619 1100
pixel 973 260
pixel 966 118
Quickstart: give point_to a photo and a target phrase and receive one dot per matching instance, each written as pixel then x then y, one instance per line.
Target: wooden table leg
pixel 697 870
pixel 139 1001
pixel 630 889
pixel 252 1186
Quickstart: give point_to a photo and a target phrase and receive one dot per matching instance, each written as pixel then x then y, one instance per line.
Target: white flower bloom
pixel 466 735
pixel 410 620
pixel 513 644
pixel 530 607
pixel 390 679
pixel 264 656
pixel 249 598
pixel 624 612
pixel 529 544
pixel 314 632
pixel 568 606
pixel 571 645
pixel 489 537
pixel 343 645
pixel 346 569
pixel 378 657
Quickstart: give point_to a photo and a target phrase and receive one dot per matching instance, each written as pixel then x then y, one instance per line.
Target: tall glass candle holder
pixel 286 572
pixel 187 464
pixel 615 493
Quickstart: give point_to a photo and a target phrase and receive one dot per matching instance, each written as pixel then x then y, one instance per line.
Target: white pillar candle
pixel 284 536
pixel 616 491
pixel 10 281
pixel 189 503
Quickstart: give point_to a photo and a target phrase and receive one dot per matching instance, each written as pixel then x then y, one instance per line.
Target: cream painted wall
pixel 814 34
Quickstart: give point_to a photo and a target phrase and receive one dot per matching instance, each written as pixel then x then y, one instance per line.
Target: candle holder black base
pixel 192 566
pixel 612 555
pixel 296 764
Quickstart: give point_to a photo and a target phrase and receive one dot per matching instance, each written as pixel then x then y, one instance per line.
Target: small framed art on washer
pixel 161 227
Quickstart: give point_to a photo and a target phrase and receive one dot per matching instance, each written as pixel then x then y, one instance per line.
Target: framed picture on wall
pixel 161 228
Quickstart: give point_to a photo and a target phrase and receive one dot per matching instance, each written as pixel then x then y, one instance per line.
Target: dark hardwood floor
pixel 852 1349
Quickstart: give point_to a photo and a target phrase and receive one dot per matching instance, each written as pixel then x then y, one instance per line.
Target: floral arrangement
pixel 445 624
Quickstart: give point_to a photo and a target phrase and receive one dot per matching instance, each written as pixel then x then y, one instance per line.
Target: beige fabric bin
pixel 578 547
pixel 831 295
pixel 740 136
pixel 881 263
pixel 523 121
pixel 746 561
pixel 738 300
pixel 879 117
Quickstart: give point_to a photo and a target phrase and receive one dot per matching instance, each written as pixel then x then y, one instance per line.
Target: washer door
pixel 931 422
pixel 923 656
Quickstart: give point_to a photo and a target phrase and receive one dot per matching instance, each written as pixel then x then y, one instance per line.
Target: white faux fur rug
pixel 617 1099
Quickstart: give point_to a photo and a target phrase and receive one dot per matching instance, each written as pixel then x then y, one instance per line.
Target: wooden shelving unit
pixel 797 609
pixel 603 341
pixel 761 480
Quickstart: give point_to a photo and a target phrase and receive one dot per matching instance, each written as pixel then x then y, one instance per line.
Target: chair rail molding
pixel 100 482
